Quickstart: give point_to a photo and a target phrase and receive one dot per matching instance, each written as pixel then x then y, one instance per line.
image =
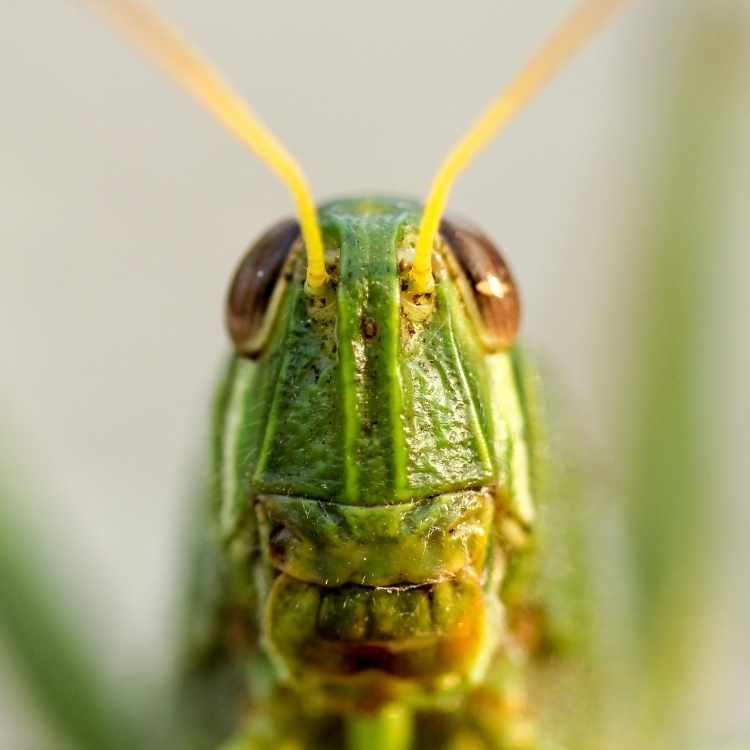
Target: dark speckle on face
pixel 369 328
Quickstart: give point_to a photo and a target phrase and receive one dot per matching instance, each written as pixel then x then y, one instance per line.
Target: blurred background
pixel 124 209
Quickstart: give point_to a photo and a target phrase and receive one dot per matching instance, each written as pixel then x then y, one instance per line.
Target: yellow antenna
pixel 188 67
pixel 583 23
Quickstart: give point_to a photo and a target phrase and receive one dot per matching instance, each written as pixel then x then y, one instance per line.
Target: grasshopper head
pixel 376 448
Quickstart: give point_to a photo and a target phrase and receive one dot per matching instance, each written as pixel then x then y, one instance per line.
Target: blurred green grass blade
pixel 47 643
pixel 563 684
pixel 673 499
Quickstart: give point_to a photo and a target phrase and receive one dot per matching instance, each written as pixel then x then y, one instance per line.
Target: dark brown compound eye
pixel 486 284
pixel 255 290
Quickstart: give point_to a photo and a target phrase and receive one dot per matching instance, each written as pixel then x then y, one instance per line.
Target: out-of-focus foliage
pixel 634 572
pixel 674 498
pixel 654 590
pixel 47 639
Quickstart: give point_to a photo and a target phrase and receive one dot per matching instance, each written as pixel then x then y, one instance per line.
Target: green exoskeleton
pixel 365 560
pixel 376 565
pixel 372 474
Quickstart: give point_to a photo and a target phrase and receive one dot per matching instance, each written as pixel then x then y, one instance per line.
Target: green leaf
pixel 48 644
pixel 673 499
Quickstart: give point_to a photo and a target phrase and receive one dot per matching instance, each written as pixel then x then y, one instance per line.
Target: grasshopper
pixel 372 455
pixel 363 578
pixel 372 484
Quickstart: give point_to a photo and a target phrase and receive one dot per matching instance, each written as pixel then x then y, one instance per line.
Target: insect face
pixel 367 447
pixel 371 431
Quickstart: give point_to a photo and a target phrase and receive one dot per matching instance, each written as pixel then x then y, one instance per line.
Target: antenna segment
pixel 574 32
pixel 165 46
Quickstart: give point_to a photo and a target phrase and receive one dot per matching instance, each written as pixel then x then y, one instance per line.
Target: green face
pixel 369 441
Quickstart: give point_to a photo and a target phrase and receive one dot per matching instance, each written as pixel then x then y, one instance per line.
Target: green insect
pixel 372 467
pixel 376 561
pixel 363 572
pixel 365 569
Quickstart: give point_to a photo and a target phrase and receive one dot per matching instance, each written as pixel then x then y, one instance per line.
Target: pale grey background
pixel 123 210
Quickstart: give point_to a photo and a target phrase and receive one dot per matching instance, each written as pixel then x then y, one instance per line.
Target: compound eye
pixel 486 284
pixel 257 286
